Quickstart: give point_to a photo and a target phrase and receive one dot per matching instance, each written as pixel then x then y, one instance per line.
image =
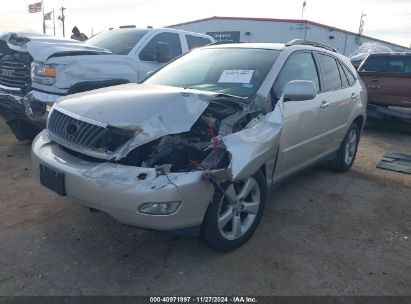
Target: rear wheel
pixel 234 214
pixel 347 151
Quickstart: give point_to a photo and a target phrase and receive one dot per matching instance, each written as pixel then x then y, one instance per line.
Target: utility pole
pixel 54 23
pixel 362 21
pixel 44 21
pixel 62 19
pixel 303 9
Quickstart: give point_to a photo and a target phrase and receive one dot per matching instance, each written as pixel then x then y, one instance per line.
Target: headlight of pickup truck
pixel 43 73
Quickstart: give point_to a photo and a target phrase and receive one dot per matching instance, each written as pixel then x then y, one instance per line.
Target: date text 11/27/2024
pixel 203 299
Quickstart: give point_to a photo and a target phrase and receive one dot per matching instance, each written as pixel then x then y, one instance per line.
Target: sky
pixel 388 20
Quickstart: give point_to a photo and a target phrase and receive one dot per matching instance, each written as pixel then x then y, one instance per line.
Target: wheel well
pixel 92 85
pixel 263 170
pixel 359 121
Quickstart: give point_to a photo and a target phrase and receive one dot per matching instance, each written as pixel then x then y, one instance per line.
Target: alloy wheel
pixel 238 208
pixel 350 147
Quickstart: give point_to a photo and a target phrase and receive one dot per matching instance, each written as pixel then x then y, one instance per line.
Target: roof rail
pixel 127 26
pixel 306 42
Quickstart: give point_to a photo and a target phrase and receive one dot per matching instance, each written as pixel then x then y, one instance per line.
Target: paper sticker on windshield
pixel 236 76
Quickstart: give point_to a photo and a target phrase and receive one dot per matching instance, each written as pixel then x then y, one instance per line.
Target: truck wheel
pixel 234 214
pixel 347 151
pixel 23 130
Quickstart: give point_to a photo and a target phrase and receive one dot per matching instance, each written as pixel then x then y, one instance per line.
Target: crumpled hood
pixel 131 104
pixel 150 111
pixel 41 47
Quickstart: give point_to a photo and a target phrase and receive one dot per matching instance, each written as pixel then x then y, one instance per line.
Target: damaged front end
pixel 170 163
pixel 223 136
pixel 202 147
pixel 173 152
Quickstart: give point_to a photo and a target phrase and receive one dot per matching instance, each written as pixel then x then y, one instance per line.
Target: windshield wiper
pixel 222 95
pixel 225 96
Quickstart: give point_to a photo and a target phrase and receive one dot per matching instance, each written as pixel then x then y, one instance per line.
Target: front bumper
pixel 32 107
pixel 116 190
pixel 25 115
pixel 11 106
pixel 38 104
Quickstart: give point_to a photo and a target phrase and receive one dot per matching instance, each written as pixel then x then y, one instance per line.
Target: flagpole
pixel 44 22
pixel 54 24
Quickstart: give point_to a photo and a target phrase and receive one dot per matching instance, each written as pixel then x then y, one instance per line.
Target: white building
pixel 281 30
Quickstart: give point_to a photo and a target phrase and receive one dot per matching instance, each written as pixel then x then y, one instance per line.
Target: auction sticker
pixel 236 76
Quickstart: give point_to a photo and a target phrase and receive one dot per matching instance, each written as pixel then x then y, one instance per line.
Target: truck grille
pixel 15 72
pixel 86 136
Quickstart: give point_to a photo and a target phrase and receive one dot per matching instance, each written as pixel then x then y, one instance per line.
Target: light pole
pixel 62 18
pixel 362 21
pixel 303 9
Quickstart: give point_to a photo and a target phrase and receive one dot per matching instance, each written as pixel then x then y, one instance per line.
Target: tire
pixel 23 130
pixel 347 151
pixel 229 209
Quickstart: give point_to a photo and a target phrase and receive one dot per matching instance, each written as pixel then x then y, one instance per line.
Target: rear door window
pixel 195 42
pixel 396 65
pixel 347 78
pixel 408 65
pixel 331 74
pixel 343 76
pixel 350 76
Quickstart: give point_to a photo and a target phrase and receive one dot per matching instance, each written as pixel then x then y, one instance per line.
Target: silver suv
pixel 194 148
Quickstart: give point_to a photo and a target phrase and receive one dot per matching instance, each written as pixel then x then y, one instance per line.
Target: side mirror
pixel 163 52
pixel 297 90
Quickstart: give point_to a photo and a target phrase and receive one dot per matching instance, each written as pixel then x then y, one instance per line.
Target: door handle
pixel 324 104
pixel 374 86
pixel 354 96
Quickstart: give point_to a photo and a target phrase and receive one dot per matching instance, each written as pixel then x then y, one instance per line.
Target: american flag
pixel 35 7
pixel 47 16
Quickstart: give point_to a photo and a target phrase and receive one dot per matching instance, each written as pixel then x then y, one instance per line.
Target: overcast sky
pixel 386 19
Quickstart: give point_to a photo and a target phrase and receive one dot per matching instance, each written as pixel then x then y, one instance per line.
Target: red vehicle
pixel 388 80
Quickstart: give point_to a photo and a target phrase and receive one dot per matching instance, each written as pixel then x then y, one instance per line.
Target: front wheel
pixel 235 213
pixel 347 151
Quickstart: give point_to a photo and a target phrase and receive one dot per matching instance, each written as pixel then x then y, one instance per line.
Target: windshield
pixel 234 71
pixel 120 42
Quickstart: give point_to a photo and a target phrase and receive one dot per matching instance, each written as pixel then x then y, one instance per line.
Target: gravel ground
pixel 323 233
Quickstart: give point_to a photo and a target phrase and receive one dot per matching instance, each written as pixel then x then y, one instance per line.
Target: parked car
pixel 388 79
pixel 195 146
pixel 40 69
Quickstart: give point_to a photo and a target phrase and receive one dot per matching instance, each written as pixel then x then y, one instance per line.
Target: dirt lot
pixel 323 233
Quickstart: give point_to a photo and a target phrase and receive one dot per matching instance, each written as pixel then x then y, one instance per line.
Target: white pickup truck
pixel 36 70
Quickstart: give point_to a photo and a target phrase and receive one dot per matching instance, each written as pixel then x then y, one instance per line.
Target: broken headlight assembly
pixel 43 73
pixel 166 208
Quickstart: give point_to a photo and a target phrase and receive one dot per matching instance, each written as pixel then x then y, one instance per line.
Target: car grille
pixel 75 133
pixel 15 72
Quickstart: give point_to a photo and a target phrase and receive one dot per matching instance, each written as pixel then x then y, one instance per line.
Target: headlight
pixel 43 73
pixel 159 208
